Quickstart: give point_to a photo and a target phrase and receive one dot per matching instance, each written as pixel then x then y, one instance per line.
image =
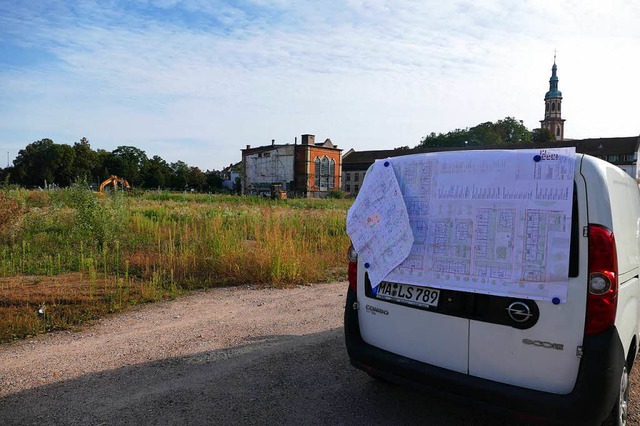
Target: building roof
pixel 553 83
pixel 251 150
pixel 361 160
pixel 600 146
pixel 327 144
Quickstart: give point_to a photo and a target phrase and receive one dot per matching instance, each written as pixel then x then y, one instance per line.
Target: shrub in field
pixel 39 199
pixel 98 220
pixel 336 193
pixel 10 218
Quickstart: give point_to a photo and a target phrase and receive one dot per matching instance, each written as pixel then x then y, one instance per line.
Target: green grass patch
pixel 123 250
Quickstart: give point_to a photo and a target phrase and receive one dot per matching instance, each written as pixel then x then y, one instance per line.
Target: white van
pixel 566 361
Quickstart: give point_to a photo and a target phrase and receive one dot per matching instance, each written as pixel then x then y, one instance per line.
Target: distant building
pixel 307 169
pixel 355 165
pixel 622 152
pixel 229 175
pixel 553 105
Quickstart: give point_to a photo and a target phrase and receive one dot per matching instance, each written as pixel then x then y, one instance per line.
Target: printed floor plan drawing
pixel 486 221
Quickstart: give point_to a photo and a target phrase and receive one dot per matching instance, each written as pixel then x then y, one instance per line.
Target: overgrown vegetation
pixel 67 256
pixel 508 131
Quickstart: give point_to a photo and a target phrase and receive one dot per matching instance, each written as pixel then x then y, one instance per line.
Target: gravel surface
pixel 240 355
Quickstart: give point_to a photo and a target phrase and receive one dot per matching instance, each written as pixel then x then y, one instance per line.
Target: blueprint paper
pixel 378 224
pixel 493 222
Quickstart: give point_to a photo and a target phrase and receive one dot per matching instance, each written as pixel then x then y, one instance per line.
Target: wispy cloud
pixel 368 74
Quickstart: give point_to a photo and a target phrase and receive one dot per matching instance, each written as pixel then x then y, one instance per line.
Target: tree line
pixel 44 162
pixel 508 131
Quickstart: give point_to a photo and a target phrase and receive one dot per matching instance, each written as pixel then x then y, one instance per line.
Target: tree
pixel 156 173
pixel 104 161
pixel 44 162
pixel 129 162
pixel 454 138
pixel 508 131
pixel 197 179
pixel 61 158
pixel 512 131
pixel 180 175
pixel 214 180
pixel 6 175
pixel 542 136
pixel 85 163
pixel 482 134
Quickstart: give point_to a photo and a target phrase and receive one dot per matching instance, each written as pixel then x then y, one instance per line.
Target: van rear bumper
pixel 589 402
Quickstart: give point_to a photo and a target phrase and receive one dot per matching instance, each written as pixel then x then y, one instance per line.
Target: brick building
pixel 308 169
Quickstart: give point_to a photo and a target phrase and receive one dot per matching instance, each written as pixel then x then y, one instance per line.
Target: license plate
pixel 408 294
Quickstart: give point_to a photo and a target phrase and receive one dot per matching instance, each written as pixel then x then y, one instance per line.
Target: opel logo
pixel 519 312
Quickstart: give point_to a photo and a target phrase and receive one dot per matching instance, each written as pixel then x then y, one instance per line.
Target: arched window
pixel 559 106
pixel 558 131
pixel 553 106
pixel 317 163
pixel 323 173
pixel 546 107
pixel 332 173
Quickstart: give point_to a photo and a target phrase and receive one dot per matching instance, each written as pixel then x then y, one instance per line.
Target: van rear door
pixel 418 333
pixel 537 346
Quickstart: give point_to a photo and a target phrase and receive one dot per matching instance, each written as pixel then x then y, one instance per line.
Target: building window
pixel 347 187
pixel 558 131
pixel 613 159
pixel 347 176
pixel 547 107
pixel 553 106
pixel 332 173
pixel 324 173
pixel 355 188
pixel 559 106
pixel 356 177
pixel 317 182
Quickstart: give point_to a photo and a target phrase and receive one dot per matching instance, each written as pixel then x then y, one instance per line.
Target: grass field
pixel 69 256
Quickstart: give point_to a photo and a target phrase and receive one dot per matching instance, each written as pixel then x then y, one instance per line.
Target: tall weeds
pixel 122 250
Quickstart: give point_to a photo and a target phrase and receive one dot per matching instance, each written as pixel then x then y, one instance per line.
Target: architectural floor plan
pixel 485 221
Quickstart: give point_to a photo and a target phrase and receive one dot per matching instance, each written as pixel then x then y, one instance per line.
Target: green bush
pixel 336 193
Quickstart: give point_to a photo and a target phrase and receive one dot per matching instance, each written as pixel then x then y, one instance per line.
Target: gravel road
pixel 240 355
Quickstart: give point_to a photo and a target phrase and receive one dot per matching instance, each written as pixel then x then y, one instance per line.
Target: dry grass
pixel 31 305
pixel 84 256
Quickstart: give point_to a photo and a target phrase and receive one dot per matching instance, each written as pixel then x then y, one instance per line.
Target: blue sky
pixel 198 80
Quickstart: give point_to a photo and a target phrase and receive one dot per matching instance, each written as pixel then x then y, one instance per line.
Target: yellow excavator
pixel 115 181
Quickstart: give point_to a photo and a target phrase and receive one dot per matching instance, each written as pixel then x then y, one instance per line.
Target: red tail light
pixel 602 296
pixel 353 268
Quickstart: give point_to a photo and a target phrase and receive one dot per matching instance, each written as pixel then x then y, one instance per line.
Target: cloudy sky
pixel 198 80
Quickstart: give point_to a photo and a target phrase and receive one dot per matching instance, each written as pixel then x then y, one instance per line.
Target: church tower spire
pixel 552 106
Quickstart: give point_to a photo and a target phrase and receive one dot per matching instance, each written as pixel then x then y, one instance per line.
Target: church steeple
pixel 553 106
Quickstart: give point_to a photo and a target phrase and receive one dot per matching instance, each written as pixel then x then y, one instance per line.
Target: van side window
pixel 574 250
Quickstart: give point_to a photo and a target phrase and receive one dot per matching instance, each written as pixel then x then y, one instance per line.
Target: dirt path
pixel 225 356
pixel 200 322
